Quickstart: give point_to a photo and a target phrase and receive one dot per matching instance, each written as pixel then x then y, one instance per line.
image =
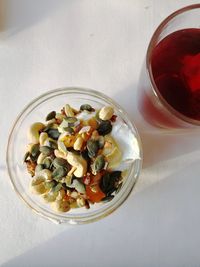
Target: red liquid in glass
pixel 176 70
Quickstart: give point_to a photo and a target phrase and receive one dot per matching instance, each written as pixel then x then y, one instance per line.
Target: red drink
pixel 175 64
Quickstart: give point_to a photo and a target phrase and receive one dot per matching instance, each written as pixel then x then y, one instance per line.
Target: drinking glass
pixel 169 85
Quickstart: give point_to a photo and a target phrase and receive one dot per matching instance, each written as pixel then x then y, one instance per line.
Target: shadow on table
pixel 159 145
pixel 22 14
pixel 160 223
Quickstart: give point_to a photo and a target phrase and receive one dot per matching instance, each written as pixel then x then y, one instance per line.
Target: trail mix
pixel 72 155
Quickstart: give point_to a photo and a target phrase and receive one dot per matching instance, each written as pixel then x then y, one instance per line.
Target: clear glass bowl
pixel 36 111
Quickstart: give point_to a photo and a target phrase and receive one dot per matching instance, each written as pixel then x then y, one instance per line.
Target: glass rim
pixel 131 178
pixel 150 48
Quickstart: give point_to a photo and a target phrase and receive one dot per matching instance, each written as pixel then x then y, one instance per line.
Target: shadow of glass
pixel 22 14
pixel 158 227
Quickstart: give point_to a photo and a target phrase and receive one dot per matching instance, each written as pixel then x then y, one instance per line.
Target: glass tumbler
pixel 169 85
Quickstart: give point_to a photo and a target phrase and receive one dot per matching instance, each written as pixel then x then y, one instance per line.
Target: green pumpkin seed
pixel 59 162
pixel 49 126
pixel 68 181
pixel 70 121
pixel 26 156
pixel 35 150
pixel 57 187
pixel 39 167
pixel 115 175
pixel 53 133
pixel 53 144
pixel 99 163
pixel 92 147
pixel 49 185
pixel 58 173
pixel 97 115
pixel 69 130
pixel 46 150
pixel 80 187
pixel 51 115
pixel 101 141
pixel 86 107
pixel 108 183
pixel 47 163
pixel 105 127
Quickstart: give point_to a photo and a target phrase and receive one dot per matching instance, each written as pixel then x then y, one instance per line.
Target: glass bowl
pixel 36 111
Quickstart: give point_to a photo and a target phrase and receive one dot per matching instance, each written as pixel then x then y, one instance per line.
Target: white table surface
pixel 97 44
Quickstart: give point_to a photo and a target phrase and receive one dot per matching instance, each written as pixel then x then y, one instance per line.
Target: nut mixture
pixel 71 159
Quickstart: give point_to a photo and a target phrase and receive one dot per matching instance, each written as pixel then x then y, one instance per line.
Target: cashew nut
pixel 43 137
pixel 78 162
pixel 33 133
pixel 78 143
pixel 69 111
pixel 106 113
pixel 60 154
pixel 61 147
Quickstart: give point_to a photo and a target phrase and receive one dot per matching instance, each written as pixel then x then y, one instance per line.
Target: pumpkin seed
pixel 46 150
pixel 26 156
pixel 39 167
pixel 107 183
pixel 99 163
pixel 58 173
pixel 105 127
pixel 49 185
pixel 51 115
pixel 69 130
pixel 57 187
pixel 47 163
pixel 49 126
pixel 68 181
pixel 53 144
pixel 101 141
pixel 86 107
pixel 115 175
pixel 70 121
pixel 33 158
pixel 92 147
pixel 80 187
pixel 97 115
pixel 35 150
pixel 53 133
pixel 60 162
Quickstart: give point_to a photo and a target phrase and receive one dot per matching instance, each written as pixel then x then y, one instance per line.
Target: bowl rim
pixel 118 202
